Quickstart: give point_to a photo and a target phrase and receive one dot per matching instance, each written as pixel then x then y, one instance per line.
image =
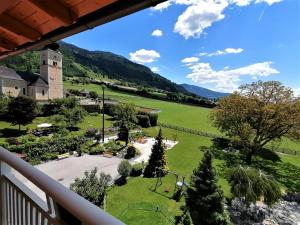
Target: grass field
pixel 182 159
pixel 173 113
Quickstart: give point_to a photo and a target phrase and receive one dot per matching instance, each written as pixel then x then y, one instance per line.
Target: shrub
pixel 143 121
pixel 93 94
pixel 4 144
pixel 153 117
pixel 137 170
pixel 97 149
pixel 92 187
pixel 90 132
pixel 124 168
pixel 131 152
pixel 112 146
pixel 49 156
pixel 12 141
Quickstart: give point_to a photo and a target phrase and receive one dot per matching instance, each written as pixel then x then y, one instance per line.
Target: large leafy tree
pixel 249 185
pixel 21 111
pixel 257 114
pixel 92 187
pixel 205 199
pixel 125 115
pixel 157 165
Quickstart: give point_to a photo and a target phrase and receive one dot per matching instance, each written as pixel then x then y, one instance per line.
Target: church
pixel 41 87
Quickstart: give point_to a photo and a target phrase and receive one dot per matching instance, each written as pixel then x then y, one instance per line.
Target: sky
pixel 216 44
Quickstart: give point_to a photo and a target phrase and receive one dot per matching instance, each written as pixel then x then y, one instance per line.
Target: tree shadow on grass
pixel 284 172
pixel 11 132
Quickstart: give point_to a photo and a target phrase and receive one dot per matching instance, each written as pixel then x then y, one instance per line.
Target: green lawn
pixel 123 201
pixel 173 113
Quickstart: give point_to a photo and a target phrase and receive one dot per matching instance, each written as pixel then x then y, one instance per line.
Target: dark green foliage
pixel 21 110
pixel 39 148
pixel 153 117
pixel 4 101
pixel 12 141
pixel 112 146
pixel 93 94
pixel 57 106
pixel 92 109
pixel 96 150
pixel 184 218
pixel 92 187
pixel 205 199
pixel 157 165
pixel 74 116
pixel 124 168
pixel 143 121
pixel 90 132
pixel 131 152
pixel 125 116
pixel 251 184
pixel 137 170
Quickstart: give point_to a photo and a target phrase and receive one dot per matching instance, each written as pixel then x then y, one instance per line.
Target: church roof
pixel 9 73
pixel 39 82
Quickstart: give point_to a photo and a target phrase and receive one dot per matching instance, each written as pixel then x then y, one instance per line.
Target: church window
pixel 54 63
pixel 44 62
pixel 16 87
pixel 43 92
pixel 24 91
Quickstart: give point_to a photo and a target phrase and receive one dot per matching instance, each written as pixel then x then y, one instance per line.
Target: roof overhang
pixel 27 25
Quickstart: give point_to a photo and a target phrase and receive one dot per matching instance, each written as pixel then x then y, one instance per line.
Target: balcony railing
pixel 20 206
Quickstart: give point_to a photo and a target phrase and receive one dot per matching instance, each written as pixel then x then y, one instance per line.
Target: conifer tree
pixel 205 199
pixel 157 164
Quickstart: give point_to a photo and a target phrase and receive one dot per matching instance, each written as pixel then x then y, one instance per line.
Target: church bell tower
pixel 51 71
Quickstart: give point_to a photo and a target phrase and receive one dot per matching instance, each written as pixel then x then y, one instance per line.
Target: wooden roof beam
pixel 8 45
pixel 57 10
pixel 4 5
pixel 19 28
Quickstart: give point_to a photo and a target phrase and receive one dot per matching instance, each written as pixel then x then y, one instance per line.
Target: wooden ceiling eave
pixel 57 10
pixel 70 23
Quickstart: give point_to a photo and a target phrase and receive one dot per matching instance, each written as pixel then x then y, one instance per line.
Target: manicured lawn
pixel 134 202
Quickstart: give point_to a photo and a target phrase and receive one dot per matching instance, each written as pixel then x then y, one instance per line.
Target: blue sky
pixel 217 44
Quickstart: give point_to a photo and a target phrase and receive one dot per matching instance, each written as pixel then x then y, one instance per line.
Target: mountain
pixel 78 62
pixel 203 92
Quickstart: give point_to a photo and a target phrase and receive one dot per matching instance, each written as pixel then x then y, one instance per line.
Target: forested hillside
pixel 78 62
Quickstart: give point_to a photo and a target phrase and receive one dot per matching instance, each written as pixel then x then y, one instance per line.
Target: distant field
pixel 174 113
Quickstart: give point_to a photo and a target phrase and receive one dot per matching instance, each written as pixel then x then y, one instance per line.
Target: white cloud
pixel 154 69
pixel 228 80
pixel 223 52
pixel 296 92
pixel 269 2
pixel 190 60
pixel 144 56
pixel 199 16
pixel 162 6
pixel 157 33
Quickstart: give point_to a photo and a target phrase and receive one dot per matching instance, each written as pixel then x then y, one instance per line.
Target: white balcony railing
pixel 20 206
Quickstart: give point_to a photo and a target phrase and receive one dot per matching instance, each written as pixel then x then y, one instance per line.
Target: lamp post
pixel 102 113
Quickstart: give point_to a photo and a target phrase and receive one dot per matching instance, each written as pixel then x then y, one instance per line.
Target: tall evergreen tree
pixel 205 199
pixel 157 164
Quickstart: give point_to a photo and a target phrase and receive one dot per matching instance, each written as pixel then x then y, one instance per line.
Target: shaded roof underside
pixel 32 24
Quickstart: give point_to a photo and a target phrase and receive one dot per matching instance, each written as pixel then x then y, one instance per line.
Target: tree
pixel 74 116
pixel 157 165
pixel 259 113
pixel 125 116
pixel 92 187
pixel 93 94
pixel 21 111
pixel 124 168
pixel 4 101
pixel 250 184
pixel 205 199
